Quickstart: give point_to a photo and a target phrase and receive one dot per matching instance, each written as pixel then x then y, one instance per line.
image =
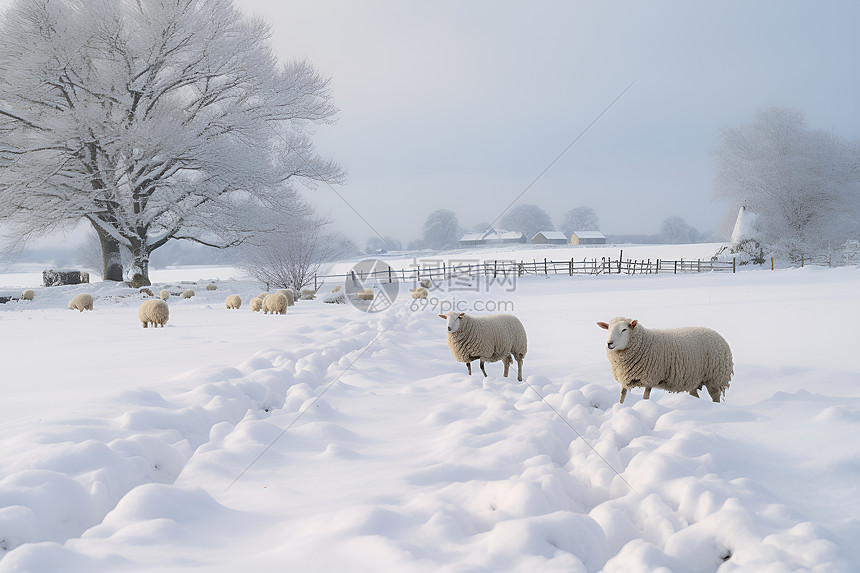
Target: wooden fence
pixel 502 269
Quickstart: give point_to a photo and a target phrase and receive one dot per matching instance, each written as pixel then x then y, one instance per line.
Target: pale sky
pixel 460 105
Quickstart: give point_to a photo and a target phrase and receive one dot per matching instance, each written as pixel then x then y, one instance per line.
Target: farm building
pixel 549 238
pixel 492 237
pixel 587 238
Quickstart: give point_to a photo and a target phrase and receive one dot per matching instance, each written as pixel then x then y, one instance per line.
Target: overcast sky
pixel 461 105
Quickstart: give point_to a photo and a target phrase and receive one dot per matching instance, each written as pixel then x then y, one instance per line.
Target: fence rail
pixel 512 268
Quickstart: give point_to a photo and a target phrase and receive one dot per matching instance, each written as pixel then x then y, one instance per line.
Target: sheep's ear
pixel 462 314
pixel 603 325
pixel 634 323
pixel 443 316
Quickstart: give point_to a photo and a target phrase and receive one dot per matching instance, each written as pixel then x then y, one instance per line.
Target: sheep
pixel 336 289
pixel 164 295
pixel 233 301
pixel 487 338
pixel 275 303
pixel 28 295
pixel 256 304
pixel 146 291
pixel 153 311
pixel 365 294
pixel 262 295
pixel 212 286
pixel 426 283
pixel 419 292
pixel 81 302
pixel 675 360
pixel 188 293
pixel 308 294
pixel 288 294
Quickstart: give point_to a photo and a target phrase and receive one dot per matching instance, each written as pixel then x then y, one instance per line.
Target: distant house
pixel 492 237
pixel 549 238
pixel 587 238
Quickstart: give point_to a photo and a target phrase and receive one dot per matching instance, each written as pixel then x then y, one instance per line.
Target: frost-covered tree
pixel 154 120
pixel 676 231
pixel 803 184
pixel 526 218
pixel 582 218
pixel 442 230
pixel 291 256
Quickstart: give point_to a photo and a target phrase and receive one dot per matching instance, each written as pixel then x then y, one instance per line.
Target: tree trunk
pixel 111 256
pixel 139 265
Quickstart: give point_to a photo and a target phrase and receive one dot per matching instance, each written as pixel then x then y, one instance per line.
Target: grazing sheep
pixel 675 360
pixel 164 295
pixel 188 293
pixel 28 295
pixel 275 303
pixel 365 294
pixel 419 292
pixel 212 286
pixel 288 293
pixel 81 302
pixel 153 311
pixel 308 294
pixel 256 304
pixel 487 338
pixel 262 295
pixel 233 301
pixel 336 289
pixel 426 283
pixel 146 291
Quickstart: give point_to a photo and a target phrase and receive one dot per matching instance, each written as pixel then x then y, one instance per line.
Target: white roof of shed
pixel 589 234
pixel 551 235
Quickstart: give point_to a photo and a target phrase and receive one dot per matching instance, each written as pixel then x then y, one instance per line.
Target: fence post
pixel 676 267
pixel 570 267
pixel 657 272
pixel 771 263
pixel 733 265
pixel 315 282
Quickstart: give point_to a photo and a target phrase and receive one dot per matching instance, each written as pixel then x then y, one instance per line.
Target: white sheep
pixel 426 283
pixel 336 288
pixel 675 360
pixel 256 304
pixel 233 301
pixel 188 293
pixel 212 286
pixel 275 303
pixel 487 338
pixel 419 292
pixel 308 294
pixel 28 295
pixel 153 311
pixel 288 294
pixel 164 295
pixel 81 302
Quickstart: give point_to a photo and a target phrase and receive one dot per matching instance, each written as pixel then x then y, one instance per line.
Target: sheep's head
pixel 453 319
pixel 619 332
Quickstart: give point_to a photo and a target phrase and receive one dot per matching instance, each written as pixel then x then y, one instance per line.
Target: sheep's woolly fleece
pixel 489 338
pixel 153 311
pixel 675 360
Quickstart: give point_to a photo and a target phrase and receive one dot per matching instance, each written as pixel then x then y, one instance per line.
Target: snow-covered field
pixel 335 440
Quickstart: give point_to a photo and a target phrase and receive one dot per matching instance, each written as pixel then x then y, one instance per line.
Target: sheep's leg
pixel 519 368
pixel 715 394
pixel 623 395
pixel 469 368
pixel 647 393
pixel 144 325
pixel 482 369
pixel 694 392
pixel 507 363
